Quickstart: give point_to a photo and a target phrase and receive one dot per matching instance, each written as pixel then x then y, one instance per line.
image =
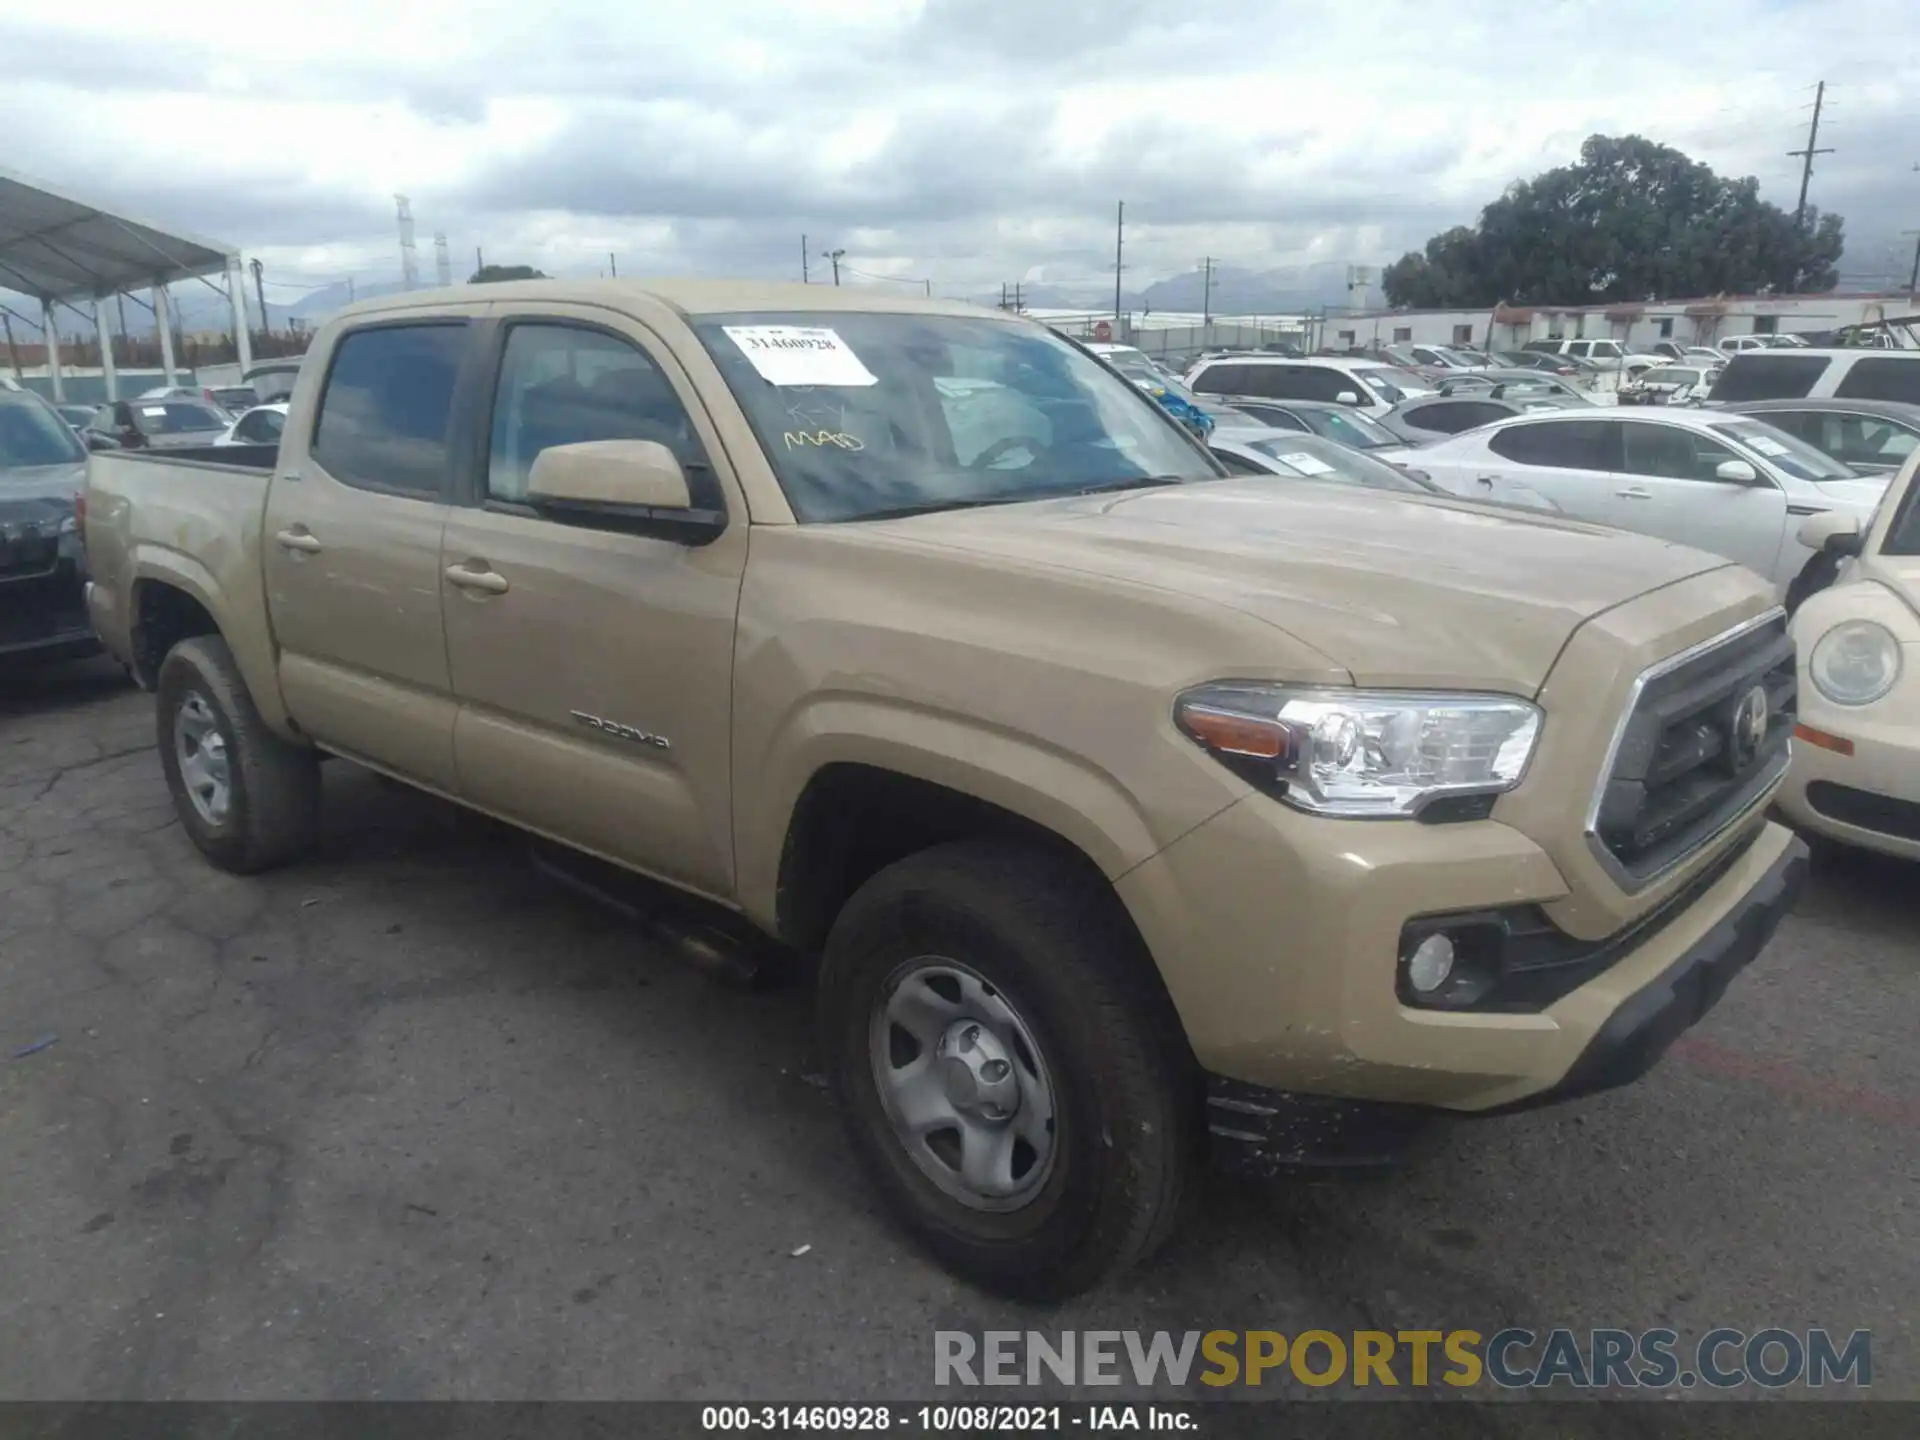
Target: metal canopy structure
pixel 62 250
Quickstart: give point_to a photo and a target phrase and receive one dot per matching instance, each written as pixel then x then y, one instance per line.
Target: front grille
pixel 28 548
pixel 1695 750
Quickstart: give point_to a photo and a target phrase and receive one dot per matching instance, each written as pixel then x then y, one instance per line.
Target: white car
pixel 1856 751
pixel 1132 362
pixel 259 426
pixel 1312 457
pixel 1369 386
pixel 1724 483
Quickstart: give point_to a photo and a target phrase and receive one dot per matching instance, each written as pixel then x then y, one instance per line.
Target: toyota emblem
pixel 1749 730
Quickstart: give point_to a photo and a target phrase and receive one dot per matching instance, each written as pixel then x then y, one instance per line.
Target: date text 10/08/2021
pixel 945 1419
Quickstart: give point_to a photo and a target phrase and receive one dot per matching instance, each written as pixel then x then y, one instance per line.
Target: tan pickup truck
pixel 1133 811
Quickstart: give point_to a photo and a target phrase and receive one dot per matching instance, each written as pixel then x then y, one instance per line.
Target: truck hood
pixel 1396 589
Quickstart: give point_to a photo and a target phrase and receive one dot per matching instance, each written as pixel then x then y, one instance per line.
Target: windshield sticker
pixel 799 355
pixel 1306 464
pixel 158 412
pixel 800 439
pixel 1766 445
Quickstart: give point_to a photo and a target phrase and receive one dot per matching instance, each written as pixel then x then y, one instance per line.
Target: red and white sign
pixel 1102 331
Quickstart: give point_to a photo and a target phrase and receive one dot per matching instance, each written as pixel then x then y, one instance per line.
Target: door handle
pixel 1634 492
pixel 298 540
pixel 491 581
pixel 1487 480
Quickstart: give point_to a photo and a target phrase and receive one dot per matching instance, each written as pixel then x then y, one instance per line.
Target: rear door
pixel 593 660
pixel 1570 461
pixel 1668 487
pixel 352 547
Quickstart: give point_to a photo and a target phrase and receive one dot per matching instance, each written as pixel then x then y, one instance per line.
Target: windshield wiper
pixel 1143 482
pixel 934 507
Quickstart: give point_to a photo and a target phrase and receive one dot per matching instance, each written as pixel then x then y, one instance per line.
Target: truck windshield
pixel 32 434
pixel 863 415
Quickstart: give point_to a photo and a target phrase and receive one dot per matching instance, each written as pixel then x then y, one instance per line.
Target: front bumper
pixel 1871 798
pixel 45 616
pixel 1278 936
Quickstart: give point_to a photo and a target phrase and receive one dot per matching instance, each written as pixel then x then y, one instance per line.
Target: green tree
pixel 1631 221
pixel 487 274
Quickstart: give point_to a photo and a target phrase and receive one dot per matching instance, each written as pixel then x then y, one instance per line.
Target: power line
pixel 1813 141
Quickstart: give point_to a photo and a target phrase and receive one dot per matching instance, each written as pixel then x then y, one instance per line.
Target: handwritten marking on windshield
pixel 800 439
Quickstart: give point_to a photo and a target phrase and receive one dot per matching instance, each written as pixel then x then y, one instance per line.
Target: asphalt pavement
pixel 408 1120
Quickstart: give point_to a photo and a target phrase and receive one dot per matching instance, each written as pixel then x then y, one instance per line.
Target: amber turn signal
pixel 1835 743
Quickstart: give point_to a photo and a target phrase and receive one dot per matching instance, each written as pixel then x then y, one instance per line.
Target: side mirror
pixel 1835 532
pixel 635 485
pixel 1346 397
pixel 1736 472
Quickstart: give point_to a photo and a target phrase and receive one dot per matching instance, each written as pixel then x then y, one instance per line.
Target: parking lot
pixel 409 1120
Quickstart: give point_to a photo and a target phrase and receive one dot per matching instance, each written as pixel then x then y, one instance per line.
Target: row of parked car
pixel 168 417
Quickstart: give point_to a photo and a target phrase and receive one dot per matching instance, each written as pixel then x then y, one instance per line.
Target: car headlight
pixel 1855 663
pixel 1378 753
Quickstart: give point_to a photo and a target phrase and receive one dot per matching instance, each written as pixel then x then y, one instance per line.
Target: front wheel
pixel 1011 1074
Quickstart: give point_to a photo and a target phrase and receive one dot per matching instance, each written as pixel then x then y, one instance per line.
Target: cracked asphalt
pixel 409 1121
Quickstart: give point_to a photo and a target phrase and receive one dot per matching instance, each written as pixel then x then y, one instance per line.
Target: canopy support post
pixel 163 317
pixel 237 298
pixel 109 371
pixel 52 332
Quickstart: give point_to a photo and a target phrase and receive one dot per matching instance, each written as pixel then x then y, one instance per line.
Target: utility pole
pixel 613 269
pixel 409 264
pixel 1119 248
pixel 1003 294
pixel 1019 304
pixel 805 278
pixel 1813 140
pixel 1206 292
pixel 834 256
pixel 479 261
pixel 260 293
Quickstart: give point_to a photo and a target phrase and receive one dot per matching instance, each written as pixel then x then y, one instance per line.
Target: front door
pixel 1668 487
pixel 594 666
pixel 352 547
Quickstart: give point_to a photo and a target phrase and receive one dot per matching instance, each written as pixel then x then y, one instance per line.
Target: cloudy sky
pixel 962 141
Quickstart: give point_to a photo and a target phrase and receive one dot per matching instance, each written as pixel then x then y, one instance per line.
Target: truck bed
pixel 190 518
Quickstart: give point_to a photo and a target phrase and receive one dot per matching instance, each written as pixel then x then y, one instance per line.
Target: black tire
pixel 1048 933
pixel 273 813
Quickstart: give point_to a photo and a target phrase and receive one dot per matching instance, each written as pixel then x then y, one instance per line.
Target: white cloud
pixel 965 140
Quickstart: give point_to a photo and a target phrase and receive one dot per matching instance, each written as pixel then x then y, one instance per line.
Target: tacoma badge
pixel 624 732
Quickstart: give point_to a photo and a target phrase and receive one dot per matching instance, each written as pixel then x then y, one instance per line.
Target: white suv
pixel 1368 386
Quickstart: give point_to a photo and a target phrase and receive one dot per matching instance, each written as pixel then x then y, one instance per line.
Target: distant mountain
pixel 1288 290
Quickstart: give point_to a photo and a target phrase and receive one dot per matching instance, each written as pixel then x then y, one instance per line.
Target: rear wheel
pixel 1011 1074
pixel 249 799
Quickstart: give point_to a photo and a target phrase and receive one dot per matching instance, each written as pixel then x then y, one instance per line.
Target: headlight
pixel 1362 752
pixel 1855 663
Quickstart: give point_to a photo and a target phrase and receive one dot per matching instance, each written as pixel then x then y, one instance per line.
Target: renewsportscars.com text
pixel 1514 1358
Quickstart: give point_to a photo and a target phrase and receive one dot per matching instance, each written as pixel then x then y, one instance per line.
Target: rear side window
pixel 384 413
pixel 1568 444
pixel 1223 380
pixel 1277 418
pixel 1452 419
pixel 1881 379
pixel 1756 375
pixel 181 419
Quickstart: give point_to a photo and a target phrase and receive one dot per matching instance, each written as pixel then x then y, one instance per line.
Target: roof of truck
pixel 689 297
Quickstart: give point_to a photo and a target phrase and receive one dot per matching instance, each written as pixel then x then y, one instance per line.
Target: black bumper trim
pixel 1253 1130
pixel 1654 1016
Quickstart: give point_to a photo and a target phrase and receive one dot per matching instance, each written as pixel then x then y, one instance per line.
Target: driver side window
pixel 562 384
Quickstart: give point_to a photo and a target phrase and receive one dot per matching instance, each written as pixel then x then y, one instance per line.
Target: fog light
pixel 1430 964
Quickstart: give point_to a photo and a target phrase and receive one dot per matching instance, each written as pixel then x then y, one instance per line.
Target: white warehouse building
pixel 1689 322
